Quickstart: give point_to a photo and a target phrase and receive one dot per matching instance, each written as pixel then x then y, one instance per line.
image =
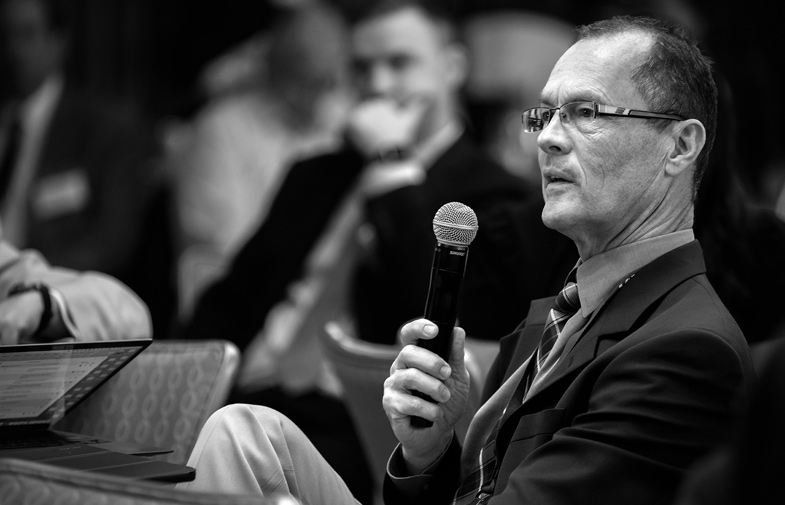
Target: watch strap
pixel 46 298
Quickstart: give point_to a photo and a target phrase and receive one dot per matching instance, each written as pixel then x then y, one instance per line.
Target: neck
pixel 665 219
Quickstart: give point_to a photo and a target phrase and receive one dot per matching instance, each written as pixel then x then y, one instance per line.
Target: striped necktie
pixel 566 305
pixel 477 488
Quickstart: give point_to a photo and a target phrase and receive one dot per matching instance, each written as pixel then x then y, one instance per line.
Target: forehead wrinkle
pixel 574 92
pixel 596 70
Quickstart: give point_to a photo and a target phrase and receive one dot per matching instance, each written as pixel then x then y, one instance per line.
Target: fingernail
pixel 445 371
pixel 429 330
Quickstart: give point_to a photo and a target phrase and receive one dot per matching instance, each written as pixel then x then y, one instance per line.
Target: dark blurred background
pixel 149 52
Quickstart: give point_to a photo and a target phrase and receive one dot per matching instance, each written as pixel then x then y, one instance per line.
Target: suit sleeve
pixel 437 485
pixel 235 306
pixel 402 219
pixel 391 281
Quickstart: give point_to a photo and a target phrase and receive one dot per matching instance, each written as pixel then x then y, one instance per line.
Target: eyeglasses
pixel 582 114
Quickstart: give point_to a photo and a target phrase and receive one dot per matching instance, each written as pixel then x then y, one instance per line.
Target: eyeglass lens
pixel 536 118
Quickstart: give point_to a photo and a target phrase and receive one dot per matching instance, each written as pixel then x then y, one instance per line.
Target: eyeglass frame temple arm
pixel 608 110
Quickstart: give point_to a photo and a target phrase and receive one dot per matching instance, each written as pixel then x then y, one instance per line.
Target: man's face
pixel 601 182
pixel 404 55
pixel 29 50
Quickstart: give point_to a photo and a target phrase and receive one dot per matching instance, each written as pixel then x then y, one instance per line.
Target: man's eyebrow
pixel 583 97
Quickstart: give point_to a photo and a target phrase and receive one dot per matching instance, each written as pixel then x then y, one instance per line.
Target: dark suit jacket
pixel 102 150
pixel 391 280
pixel 647 390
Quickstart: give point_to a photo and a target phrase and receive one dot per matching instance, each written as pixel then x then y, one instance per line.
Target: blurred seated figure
pixel 234 156
pixel 743 240
pixel 512 53
pixel 41 303
pixel 407 153
pixel 76 168
pixel 748 467
pixel 349 233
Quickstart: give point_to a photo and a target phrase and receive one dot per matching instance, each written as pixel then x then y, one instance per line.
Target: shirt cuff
pixel 380 178
pixel 65 313
pixel 411 486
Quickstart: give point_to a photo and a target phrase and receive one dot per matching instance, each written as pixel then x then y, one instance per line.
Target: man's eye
pixel 400 62
pixel 584 112
pixel 360 68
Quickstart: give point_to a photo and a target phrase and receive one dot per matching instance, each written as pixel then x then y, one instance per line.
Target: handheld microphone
pixel 455 226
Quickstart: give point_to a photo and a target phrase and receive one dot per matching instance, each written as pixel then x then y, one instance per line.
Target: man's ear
pixel 689 138
pixel 456 64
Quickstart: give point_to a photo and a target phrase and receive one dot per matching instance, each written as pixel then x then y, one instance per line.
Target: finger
pixel 415 357
pixel 402 408
pixel 400 400
pixel 410 379
pixel 418 329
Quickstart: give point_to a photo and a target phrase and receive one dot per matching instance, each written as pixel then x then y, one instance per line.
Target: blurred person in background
pixel 350 232
pixel 74 170
pixel 407 152
pixel 276 98
pixel 512 52
pixel 42 303
pixel 742 238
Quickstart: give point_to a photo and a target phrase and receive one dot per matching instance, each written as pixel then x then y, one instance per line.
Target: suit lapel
pixel 531 333
pixel 624 308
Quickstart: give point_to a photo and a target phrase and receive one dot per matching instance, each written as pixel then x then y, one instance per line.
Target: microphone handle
pixel 441 307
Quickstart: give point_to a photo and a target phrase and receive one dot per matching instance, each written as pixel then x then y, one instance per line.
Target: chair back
pixel 483 353
pixel 162 398
pixel 362 368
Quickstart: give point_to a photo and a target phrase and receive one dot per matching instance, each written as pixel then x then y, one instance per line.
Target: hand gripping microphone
pixel 455 226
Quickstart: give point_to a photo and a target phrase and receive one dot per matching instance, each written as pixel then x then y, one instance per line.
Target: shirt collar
pixel 429 150
pixel 36 107
pixel 598 276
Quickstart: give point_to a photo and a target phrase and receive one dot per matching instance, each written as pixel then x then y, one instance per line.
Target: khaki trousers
pixel 254 450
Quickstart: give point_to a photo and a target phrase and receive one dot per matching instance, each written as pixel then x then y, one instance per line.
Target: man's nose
pixel 381 81
pixel 553 137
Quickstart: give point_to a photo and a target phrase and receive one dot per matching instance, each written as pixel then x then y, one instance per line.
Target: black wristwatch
pixel 392 155
pixel 46 297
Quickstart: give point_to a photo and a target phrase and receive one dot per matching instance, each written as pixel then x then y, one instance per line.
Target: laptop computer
pixel 40 383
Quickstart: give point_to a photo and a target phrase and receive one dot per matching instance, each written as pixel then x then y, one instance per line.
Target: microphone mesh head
pixel 455 223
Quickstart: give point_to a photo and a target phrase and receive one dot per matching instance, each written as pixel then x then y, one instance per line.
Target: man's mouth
pixel 555 179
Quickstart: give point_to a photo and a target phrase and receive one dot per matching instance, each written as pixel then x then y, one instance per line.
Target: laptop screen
pixel 39 383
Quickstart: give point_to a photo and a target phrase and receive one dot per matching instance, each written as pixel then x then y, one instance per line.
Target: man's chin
pixel 555 219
